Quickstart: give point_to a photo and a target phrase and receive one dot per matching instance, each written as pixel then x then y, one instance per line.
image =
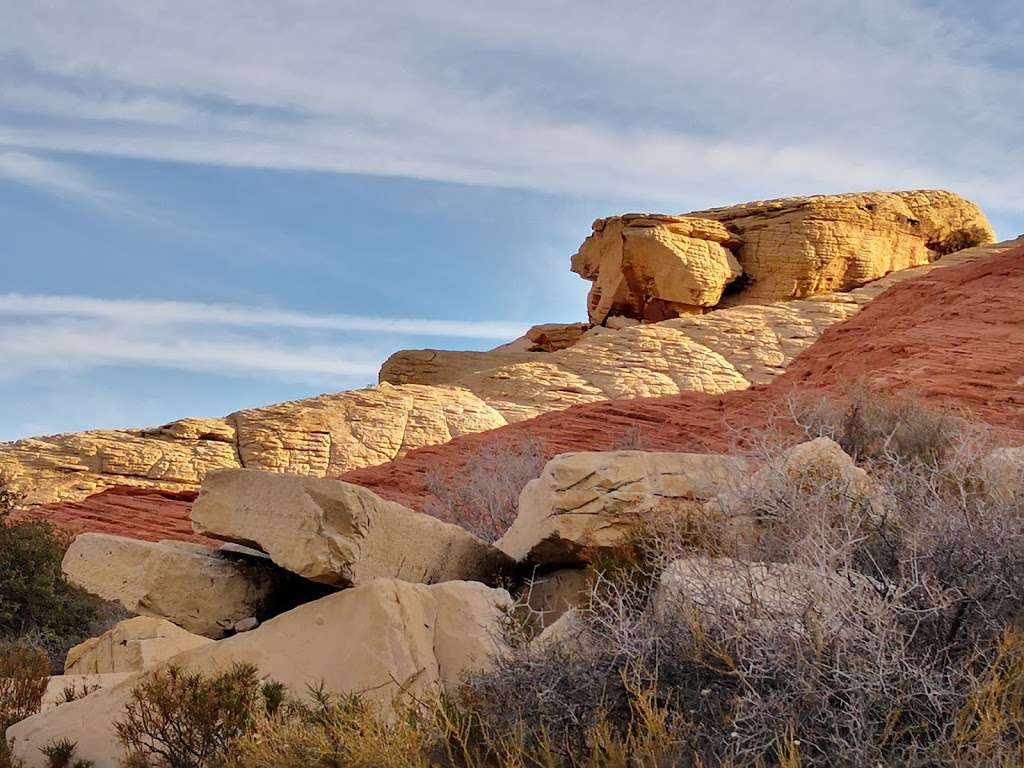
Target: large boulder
pixel 388 640
pixel 802 246
pixel 657 266
pixel 653 267
pixel 588 505
pixel 200 589
pixel 131 645
pixel 337 533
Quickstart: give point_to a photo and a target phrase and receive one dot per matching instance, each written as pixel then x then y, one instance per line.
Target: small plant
pixel 483 497
pixel 61 754
pixel 181 719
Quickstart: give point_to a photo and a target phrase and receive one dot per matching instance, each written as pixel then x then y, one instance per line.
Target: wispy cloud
pixel 64 345
pixel 40 333
pixel 657 101
pixel 145 312
pixel 55 177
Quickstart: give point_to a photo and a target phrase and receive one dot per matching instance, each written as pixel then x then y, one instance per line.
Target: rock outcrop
pixel 198 588
pixel 321 435
pixel 653 267
pixel 132 645
pixel 716 353
pixel 387 640
pixel 950 336
pixel 337 533
pixel 590 505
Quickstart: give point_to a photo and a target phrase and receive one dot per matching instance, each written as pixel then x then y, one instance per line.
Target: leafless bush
pixel 24 672
pixel 484 496
pixel 870 426
pixel 877 632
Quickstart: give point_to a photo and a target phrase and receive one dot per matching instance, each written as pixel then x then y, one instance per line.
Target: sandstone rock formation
pixel 317 436
pixel 586 505
pixel 131 645
pixel 653 267
pixel 715 353
pixel 909 339
pixel 337 533
pixel 198 588
pixel 386 639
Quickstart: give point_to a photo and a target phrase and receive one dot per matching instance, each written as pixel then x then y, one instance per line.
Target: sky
pixel 210 206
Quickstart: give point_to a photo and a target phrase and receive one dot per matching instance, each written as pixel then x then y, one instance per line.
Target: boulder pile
pixel 406 605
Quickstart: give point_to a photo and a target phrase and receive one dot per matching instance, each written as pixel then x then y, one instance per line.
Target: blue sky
pixel 208 206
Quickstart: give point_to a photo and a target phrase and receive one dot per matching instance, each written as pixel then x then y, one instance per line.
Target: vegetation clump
pixel 37 604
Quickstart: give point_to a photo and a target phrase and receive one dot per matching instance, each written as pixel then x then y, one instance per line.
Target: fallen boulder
pixel 337 533
pixel 588 505
pixel 131 645
pixel 200 589
pixel 388 640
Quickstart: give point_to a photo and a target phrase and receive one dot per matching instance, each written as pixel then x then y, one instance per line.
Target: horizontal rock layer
pixel 950 336
pixel 718 353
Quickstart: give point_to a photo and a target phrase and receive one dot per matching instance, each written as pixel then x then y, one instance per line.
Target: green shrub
pixel 180 719
pixel 61 754
pixel 969 237
pixel 36 602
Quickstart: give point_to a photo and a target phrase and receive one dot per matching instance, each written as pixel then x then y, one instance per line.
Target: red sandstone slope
pixel 954 335
pixel 142 513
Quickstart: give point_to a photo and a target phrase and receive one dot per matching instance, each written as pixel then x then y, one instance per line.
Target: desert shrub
pixel 24 672
pixel 870 426
pixel 885 634
pixel 61 754
pixel 334 731
pixel 36 602
pixel 968 237
pixel 180 719
pixel 483 497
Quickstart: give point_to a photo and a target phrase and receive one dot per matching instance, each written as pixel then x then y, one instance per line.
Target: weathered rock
pixel 655 267
pixel 317 436
pixel 337 533
pixel 586 505
pixel 247 624
pixel 198 588
pixel 801 246
pixel 387 640
pixel 131 645
pixel 820 466
pixel 715 353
